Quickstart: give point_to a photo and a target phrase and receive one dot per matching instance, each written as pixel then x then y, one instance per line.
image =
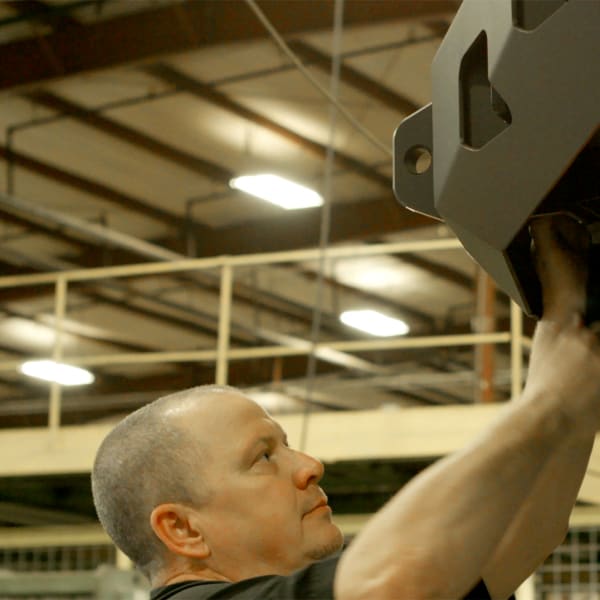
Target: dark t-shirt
pixel 314 582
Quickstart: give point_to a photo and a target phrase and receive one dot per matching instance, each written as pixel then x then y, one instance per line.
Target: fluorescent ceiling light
pixel 48 370
pixel 373 322
pixel 277 190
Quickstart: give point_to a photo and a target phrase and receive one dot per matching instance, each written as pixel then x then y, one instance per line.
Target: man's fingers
pixel 560 253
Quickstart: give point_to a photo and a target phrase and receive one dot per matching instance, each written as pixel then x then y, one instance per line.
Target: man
pixel 202 491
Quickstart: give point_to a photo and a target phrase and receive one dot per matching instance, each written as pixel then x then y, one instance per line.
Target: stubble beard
pixel 327 549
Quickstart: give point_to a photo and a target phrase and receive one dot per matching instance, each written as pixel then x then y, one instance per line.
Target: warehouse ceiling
pixel 122 125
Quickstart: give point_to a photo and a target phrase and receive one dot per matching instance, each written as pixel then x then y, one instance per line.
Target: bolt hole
pixel 418 160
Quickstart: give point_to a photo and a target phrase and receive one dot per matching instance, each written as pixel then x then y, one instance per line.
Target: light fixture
pixel 277 190
pixel 374 322
pixel 49 370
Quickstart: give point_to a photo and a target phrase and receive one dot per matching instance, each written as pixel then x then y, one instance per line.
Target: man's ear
pixel 177 526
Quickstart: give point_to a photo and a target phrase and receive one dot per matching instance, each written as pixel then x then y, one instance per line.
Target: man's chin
pixel 328 547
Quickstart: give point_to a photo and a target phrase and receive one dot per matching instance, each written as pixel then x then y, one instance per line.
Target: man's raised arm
pixel 436 537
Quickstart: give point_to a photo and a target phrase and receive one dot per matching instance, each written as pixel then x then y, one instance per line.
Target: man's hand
pixel 565 357
pixel 561 247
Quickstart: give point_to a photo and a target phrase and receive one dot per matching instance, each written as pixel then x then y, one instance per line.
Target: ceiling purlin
pixel 115 129
pixel 351 76
pixel 210 94
pixel 145 35
pixel 120 199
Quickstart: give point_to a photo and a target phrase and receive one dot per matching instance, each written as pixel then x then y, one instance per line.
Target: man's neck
pixel 171 576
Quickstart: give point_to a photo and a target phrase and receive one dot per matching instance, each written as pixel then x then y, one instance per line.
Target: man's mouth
pixel 320 504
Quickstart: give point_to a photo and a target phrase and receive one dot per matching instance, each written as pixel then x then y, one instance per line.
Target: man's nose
pixel 308 470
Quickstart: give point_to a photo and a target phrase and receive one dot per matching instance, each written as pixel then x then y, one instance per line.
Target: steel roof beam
pixel 182 26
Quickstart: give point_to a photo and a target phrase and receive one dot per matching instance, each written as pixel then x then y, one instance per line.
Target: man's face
pixel 266 513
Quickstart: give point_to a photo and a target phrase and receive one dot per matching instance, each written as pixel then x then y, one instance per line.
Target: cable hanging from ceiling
pixel 327 94
pixel 325 223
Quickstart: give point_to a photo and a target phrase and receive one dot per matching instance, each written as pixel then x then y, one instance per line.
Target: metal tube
pixel 60 301
pixel 10 163
pixel 516 349
pixel 484 322
pixel 90 230
pixel 421 342
pixel 224 323
pixel 183 264
pixel 272 351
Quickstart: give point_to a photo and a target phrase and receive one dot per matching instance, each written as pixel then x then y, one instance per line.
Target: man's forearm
pixel 543 519
pixel 433 539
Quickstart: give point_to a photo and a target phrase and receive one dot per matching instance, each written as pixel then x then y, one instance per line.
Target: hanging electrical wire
pixel 333 100
pixel 325 223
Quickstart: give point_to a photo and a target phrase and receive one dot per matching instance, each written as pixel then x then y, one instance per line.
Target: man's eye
pixel 265 456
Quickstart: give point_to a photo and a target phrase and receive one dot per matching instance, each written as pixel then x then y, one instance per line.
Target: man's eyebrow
pixel 281 431
pixel 267 439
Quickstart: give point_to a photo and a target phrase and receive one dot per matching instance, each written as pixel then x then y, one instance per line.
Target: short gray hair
pixel 143 462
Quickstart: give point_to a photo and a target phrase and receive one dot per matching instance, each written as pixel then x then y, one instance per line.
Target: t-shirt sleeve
pixel 480 592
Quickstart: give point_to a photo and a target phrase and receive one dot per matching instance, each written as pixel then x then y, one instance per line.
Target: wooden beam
pixel 349 221
pixel 177 27
pixel 210 94
pixel 351 76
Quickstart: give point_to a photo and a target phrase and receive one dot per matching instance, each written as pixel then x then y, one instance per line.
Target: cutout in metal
pixel 418 160
pixel 530 14
pixel 483 112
